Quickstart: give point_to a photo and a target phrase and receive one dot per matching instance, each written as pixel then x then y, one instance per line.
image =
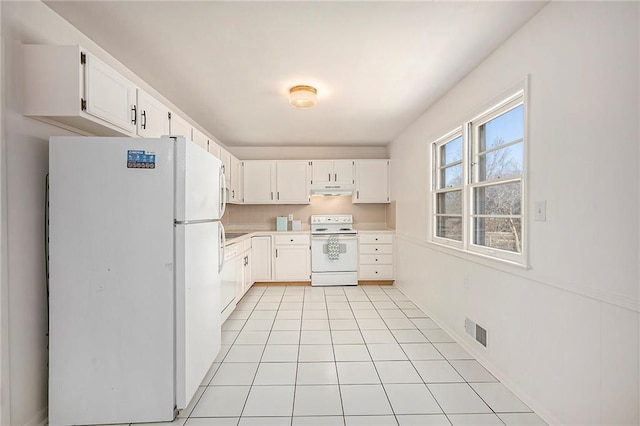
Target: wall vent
pixel 476 332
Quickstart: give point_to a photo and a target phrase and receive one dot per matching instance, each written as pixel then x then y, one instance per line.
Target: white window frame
pixel 436 190
pixel 470 140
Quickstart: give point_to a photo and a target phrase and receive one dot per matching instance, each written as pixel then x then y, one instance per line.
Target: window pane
pixel 449 227
pixel 498 233
pixel 504 199
pixel 503 129
pixel 450 176
pixel 449 202
pixel 503 163
pixel 451 151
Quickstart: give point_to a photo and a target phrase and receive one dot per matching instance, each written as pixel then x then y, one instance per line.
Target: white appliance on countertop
pixel 334 250
pixel 135 254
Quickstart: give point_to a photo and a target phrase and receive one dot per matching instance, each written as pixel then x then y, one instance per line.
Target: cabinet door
pixel 225 157
pixel 200 139
pixel 246 276
pixel 292 263
pixel 291 182
pixel 343 172
pixel 322 172
pixel 153 116
pixel 372 181
pixel 178 126
pixel 214 149
pixel 109 95
pixel 257 185
pixel 261 258
pixel 235 195
pixel 239 264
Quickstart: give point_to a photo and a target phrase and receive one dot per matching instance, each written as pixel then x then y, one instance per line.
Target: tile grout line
pixel 335 361
pixel 244 406
pixel 414 367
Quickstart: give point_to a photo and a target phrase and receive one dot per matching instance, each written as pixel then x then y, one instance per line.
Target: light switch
pixel 541 211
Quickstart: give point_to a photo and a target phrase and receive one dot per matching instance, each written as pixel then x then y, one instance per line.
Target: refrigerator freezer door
pixel 111 354
pixel 199 186
pixel 197 305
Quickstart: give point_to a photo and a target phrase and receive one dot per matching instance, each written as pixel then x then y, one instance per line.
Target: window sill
pixel 475 256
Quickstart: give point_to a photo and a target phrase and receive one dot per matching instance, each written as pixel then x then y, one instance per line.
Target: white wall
pixel 307 153
pixel 564 333
pixel 4 335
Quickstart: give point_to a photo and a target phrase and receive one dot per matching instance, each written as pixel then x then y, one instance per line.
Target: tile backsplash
pixel 263 217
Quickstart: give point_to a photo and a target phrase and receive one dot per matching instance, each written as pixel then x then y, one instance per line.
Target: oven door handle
pixel 341 237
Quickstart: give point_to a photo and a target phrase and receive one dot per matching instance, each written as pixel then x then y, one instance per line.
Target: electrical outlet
pixel 290 217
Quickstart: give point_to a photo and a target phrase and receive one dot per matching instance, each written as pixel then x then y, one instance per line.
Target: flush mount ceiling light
pixel 303 96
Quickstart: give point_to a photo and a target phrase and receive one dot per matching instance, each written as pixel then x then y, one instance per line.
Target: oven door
pixel 347 259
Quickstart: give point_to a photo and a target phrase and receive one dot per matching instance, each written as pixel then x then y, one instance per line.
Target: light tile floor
pixel 345 356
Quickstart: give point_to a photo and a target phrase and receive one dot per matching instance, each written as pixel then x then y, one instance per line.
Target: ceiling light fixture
pixel 303 97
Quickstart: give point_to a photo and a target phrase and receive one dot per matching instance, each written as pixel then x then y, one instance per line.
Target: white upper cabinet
pixel 153 116
pixel 258 187
pixel 372 181
pixel 343 172
pixel 321 172
pixel 200 139
pixel 235 189
pixel 109 95
pixel 214 149
pixel 68 86
pixel 275 182
pixel 178 126
pixel 225 158
pixel 291 182
pixel 332 172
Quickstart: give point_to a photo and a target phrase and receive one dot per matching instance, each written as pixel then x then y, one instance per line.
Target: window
pixel 448 191
pixel 478 183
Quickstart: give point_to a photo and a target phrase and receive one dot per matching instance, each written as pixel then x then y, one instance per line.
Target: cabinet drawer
pixel 376 238
pixel 376 272
pixel 376 249
pixel 292 239
pixel 376 259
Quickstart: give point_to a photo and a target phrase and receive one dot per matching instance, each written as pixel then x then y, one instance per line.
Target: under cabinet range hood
pixel 331 190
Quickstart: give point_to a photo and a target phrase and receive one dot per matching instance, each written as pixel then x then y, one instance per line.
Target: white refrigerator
pixel 134 255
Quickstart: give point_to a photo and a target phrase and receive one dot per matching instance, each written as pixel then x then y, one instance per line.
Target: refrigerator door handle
pixel 223 194
pixel 223 244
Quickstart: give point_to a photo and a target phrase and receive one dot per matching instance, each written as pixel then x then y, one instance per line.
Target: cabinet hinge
pixel 83 58
pixel 169 115
pixel 83 104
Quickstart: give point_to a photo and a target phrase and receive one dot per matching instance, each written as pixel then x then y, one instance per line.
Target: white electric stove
pixel 334 250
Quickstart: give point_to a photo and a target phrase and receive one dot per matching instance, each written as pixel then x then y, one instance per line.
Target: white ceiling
pixel 228 65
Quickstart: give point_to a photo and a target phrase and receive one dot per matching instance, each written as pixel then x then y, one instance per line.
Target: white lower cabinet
pixel 376 256
pixel 292 257
pixel 243 269
pixel 261 258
